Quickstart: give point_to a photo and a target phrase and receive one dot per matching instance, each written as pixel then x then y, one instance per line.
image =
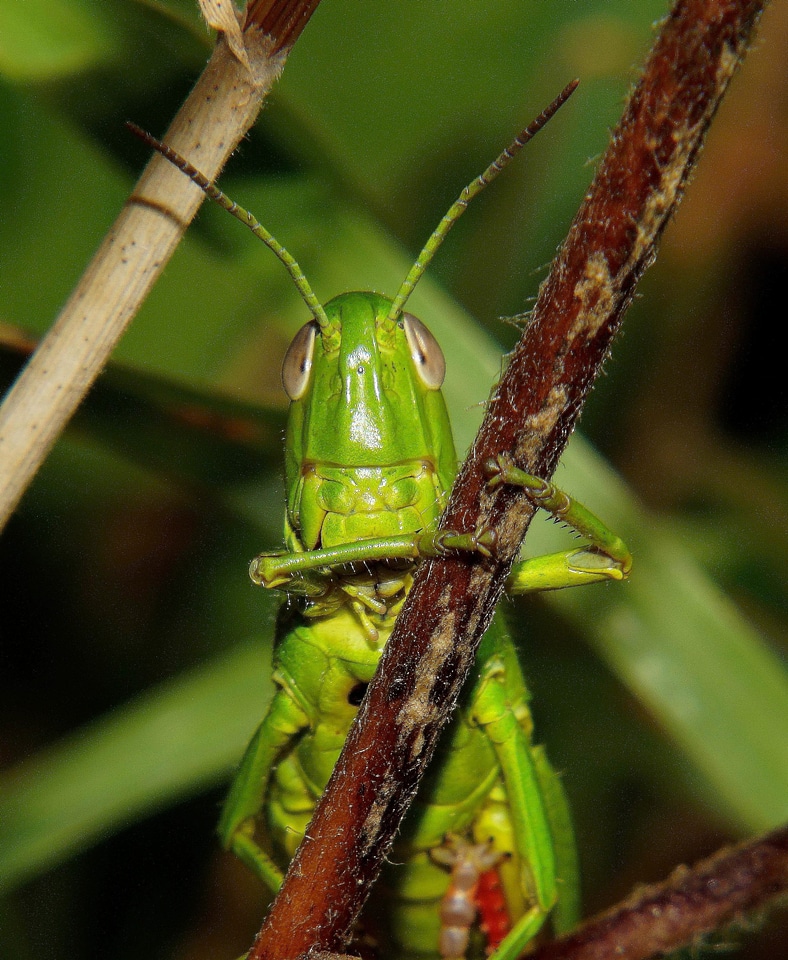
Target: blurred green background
pixel 135 651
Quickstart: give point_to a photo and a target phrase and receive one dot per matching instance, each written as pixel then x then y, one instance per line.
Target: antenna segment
pixel 327 329
pixel 475 187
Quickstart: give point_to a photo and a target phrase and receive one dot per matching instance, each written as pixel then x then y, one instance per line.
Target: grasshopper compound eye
pixel 425 351
pixel 297 364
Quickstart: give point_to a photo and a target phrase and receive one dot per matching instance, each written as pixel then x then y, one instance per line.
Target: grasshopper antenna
pixel 327 328
pixel 475 187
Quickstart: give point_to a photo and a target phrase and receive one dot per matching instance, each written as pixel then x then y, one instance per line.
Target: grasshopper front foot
pixel 501 469
pixel 605 558
pixel 444 543
pixel 276 571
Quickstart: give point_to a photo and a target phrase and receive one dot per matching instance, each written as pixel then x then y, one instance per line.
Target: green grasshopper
pixel 369 462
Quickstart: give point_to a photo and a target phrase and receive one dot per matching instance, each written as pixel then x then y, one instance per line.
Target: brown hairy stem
pixel 692 902
pixel 218 112
pixel 531 415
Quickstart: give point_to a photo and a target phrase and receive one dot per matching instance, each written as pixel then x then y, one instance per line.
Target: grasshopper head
pixel 367 396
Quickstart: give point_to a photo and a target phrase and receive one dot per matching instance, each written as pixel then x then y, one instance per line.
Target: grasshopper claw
pixel 486 540
pixel 498 469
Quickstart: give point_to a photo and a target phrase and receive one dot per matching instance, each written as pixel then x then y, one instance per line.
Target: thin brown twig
pixel 691 903
pixel 533 411
pixel 222 106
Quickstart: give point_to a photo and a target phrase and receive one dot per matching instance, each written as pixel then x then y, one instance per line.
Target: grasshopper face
pixel 368 433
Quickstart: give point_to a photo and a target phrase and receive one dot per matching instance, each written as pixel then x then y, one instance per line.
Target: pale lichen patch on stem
pixel 596 294
pixel 421 707
pixel 541 424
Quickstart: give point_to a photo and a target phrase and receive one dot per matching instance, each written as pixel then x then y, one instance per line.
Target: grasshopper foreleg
pixel 606 557
pixel 290 571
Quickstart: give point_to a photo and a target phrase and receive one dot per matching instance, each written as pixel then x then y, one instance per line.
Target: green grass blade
pixel 181 737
